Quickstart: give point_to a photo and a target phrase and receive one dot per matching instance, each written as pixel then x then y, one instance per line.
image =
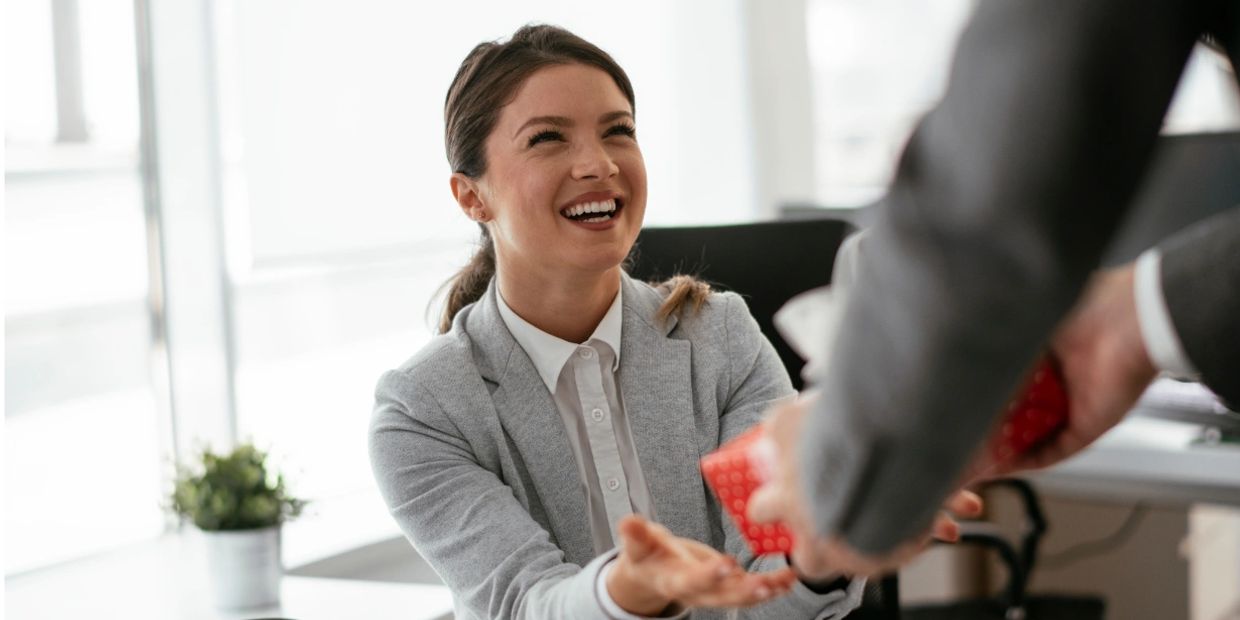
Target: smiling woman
pixel 571 113
pixel 542 453
pixel 565 144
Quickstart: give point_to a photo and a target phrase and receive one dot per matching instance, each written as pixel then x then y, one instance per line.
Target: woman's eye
pixel 621 130
pixel 545 136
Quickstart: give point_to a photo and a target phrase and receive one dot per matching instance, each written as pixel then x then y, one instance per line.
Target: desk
pixel 166 579
pixel 1154 459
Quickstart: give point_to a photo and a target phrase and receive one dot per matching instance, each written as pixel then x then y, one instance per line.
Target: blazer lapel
pixel 656 386
pixel 533 426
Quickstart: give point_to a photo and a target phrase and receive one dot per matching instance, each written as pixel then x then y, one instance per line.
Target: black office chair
pixel 767 263
pixel 1019 558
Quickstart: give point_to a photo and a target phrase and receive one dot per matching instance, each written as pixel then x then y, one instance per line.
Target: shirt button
pixel 597 414
pixel 586 353
pixel 613 484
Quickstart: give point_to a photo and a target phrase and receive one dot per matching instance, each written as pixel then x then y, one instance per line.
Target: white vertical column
pixel 781 98
pixel 67 56
pixel 1213 552
pixel 190 292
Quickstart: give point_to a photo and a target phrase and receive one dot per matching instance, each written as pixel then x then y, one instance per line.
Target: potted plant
pixel 239 504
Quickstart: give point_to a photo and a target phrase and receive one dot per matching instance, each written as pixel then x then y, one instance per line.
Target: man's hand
pixel 814 557
pixel 1105 369
pixel 655 569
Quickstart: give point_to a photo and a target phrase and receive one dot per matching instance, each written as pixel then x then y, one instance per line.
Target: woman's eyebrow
pixel 558 121
pixel 611 116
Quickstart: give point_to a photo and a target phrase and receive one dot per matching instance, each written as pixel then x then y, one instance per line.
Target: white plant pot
pixel 245 567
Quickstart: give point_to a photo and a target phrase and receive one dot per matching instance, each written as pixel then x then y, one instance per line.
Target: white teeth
pixel 606 206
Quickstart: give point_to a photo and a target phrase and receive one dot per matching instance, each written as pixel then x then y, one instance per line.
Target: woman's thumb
pixel 637 539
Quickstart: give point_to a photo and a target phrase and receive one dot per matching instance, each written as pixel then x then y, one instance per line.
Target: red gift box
pixel 1036 415
pixel 734 472
pixel 740 466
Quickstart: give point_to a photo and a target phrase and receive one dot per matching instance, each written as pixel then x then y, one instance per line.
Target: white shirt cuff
pixel 1157 331
pixel 612 608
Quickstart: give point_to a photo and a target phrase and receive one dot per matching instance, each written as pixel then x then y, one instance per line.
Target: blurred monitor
pixel 1192 177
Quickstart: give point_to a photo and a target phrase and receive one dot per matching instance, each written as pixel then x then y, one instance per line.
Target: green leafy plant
pixel 235 491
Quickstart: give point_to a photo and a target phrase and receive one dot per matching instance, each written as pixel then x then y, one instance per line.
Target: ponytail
pixel 468 285
pixel 682 290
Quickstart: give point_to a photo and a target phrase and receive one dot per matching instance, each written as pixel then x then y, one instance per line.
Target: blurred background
pixel 224 219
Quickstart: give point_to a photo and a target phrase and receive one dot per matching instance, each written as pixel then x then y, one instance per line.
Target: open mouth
pixel 594 212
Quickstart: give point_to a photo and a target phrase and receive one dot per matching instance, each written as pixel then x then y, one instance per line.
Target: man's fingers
pixel 1053 452
pixel 766 505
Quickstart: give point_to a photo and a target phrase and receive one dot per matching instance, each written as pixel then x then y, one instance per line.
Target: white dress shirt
pixel 582 382
pixel 1162 343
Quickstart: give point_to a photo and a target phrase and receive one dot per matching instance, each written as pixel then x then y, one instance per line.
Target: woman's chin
pixel 601 262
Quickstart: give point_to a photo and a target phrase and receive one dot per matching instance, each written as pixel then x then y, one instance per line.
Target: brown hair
pixel 486 81
pixel 681 289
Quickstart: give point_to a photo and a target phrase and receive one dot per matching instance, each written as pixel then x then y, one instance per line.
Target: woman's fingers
pixel 966 504
pixel 945 529
pixel 696 578
pixel 637 538
pixel 779 580
pixel 701 551
pixel 695 574
pixel 745 590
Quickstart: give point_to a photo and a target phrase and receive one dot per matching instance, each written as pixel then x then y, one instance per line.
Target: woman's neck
pixel 569 308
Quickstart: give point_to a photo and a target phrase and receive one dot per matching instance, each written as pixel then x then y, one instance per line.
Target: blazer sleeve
pixel 498 562
pixel 759 381
pixel 1200 272
pixel 1003 202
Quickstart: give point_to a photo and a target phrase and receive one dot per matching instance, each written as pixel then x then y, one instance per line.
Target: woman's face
pixel 565 186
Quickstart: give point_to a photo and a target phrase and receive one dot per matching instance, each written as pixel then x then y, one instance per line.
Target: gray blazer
pixel 1004 201
pixel 474 463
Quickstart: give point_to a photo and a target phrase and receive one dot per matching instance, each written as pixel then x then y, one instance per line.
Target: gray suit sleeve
pixel 759 381
pixel 1201 285
pixel 466 522
pixel 1003 202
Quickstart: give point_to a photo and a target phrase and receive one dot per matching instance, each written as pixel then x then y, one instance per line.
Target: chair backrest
pixel 767 263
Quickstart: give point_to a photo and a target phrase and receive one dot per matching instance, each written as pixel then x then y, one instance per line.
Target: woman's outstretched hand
pixel 656 569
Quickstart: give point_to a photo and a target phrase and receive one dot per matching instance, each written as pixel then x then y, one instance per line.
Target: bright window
pixel 879 65
pixel 339 222
pixel 82 442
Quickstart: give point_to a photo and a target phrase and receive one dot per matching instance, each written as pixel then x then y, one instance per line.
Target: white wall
pixel 334 114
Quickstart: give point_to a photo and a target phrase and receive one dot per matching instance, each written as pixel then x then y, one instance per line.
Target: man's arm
pixel 1004 200
pixel 1201 286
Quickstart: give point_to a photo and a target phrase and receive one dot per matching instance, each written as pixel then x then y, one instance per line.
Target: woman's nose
pixel 594 162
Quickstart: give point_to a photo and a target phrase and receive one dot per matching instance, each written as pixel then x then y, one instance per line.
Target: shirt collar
pixel 549 353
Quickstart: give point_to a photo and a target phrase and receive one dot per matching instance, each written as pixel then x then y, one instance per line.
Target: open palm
pixel 685 572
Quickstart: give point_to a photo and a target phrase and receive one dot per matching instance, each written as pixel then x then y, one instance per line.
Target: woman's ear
pixel 468 194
